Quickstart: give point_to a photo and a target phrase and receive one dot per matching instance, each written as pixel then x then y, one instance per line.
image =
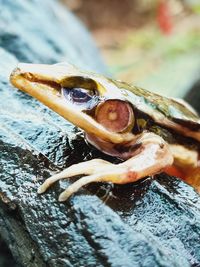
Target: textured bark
pixel 152 223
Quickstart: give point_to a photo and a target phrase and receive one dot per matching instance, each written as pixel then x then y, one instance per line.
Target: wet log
pixel 151 223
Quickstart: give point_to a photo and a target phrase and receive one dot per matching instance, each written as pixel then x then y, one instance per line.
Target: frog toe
pixel 87 168
pixel 109 175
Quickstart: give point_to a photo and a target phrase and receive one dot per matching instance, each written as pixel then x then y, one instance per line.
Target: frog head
pixel 89 101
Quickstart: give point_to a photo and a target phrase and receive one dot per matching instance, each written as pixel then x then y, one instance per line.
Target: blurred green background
pixel 151 43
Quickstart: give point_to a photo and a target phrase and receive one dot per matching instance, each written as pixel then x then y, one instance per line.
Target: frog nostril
pixel 115 115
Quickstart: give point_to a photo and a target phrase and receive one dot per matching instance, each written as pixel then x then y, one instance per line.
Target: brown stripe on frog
pixel 156 106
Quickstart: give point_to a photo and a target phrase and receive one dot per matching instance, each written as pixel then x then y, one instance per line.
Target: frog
pixel 149 133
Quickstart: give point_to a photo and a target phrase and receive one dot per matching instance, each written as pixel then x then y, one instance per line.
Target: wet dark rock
pixel 151 223
pixel 44 31
pixel 6 258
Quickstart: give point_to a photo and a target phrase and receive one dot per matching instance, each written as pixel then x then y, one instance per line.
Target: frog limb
pixel 152 157
pixel 81 168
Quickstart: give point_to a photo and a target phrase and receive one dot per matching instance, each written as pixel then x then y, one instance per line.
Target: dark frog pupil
pixel 78 95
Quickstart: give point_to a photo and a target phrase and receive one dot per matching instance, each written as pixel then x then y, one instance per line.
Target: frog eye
pixel 78 95
pixel 115 115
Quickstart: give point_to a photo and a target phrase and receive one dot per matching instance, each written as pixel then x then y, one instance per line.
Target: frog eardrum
pixel 115 115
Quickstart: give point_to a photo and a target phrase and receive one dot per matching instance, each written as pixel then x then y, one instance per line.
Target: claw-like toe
pixel 86 168
pixel 49 182
pixel 77 185
pixel 42 189
pixel 66 194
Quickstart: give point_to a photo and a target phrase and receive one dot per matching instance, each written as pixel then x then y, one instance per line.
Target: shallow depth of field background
pixel 152 43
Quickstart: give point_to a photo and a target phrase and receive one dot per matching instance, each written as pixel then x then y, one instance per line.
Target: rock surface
pixel 152 223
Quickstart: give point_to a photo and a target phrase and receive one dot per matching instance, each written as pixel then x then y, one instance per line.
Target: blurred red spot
pixel 164 17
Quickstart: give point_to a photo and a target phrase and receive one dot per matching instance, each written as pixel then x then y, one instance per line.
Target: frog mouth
pixel 44 82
